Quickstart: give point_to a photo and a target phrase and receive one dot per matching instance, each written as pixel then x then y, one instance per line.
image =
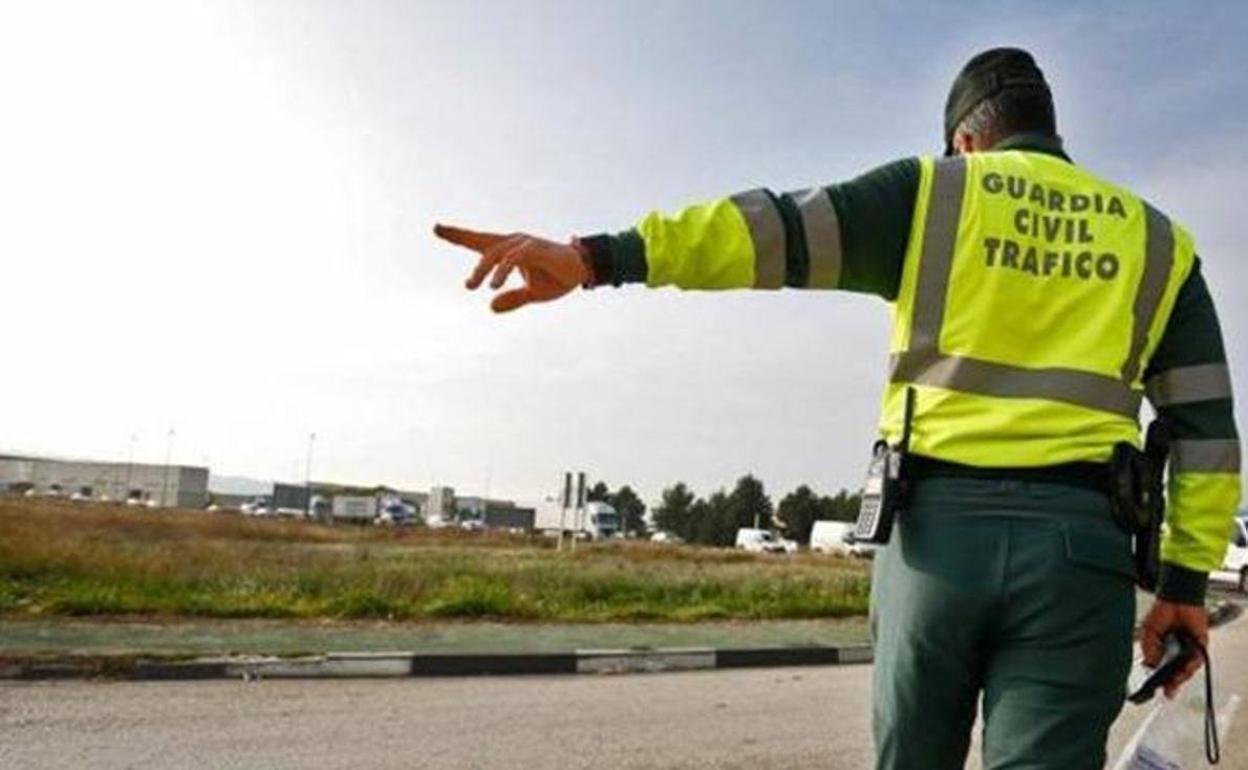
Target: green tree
pixel 598 493
pixel 712 521
pixel 675 513
pixel 715 521
pixel 631 509
pixel 798 512
pixel 750 506
pixel 843 507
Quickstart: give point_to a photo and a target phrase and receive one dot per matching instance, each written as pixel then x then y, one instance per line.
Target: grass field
pixel 64 559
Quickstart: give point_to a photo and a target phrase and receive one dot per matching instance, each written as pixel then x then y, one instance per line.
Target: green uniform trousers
pixel 1017 591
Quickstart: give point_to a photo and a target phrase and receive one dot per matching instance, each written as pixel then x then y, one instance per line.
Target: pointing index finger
pixel 472 239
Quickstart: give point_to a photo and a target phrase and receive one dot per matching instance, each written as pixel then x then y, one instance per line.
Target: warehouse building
pixel 183 486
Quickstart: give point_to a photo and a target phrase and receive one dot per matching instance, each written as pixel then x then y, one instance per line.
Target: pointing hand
pixel 550 270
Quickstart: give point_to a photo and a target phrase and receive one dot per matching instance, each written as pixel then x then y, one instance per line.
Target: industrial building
pixel 186 486
pixel 183 486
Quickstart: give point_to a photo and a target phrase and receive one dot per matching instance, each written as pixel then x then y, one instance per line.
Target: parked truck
pixel 373 509
pixel 599 521
pixel 352 508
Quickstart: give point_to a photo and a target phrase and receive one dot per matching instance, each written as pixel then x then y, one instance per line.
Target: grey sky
pixel 216 219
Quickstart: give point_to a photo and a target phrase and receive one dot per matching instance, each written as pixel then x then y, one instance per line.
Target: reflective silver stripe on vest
pixel 767 233
pixel 924 364
pixel 987 378
pixel 1219 455
pixel 1158 262
pixel 1189 384
pixel 940 239
pixel 823 237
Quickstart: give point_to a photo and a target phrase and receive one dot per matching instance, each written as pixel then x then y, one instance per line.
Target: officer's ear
pixel 963 142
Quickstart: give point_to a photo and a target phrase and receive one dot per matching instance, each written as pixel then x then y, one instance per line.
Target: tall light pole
pixel 164 487
pixel 125 493
pixel 307 476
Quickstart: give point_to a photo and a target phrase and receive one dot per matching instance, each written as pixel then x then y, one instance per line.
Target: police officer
pixel 1034 304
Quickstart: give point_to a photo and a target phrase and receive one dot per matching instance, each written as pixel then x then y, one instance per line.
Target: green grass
pixel 62 559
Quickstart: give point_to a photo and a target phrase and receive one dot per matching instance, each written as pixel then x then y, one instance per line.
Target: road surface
pixel 760 718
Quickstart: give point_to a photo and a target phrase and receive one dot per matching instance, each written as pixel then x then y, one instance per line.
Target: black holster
pixel 1137 493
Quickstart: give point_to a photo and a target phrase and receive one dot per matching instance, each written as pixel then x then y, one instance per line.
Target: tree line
pixel 715 519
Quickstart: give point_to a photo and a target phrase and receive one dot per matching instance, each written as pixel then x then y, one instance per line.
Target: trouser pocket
pixel 1101 548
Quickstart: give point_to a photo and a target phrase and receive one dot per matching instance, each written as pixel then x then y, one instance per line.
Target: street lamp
pixel 164 487
pixel 307 476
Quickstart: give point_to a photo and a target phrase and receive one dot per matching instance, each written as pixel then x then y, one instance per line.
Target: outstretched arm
pixel 849 236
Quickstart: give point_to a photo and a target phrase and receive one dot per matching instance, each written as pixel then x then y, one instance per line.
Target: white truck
pixel 599 521
pixel 378 509
pixel 354 508
pixel 759 541
pixel 1236 561
pixel 837 537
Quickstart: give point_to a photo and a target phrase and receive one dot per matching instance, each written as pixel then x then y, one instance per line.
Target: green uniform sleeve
pixel 1188 383
pixel 849 236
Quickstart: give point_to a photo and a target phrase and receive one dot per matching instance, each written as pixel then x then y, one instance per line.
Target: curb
pixel 367 665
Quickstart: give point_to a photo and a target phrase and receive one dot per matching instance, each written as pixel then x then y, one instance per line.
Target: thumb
pixel 510 300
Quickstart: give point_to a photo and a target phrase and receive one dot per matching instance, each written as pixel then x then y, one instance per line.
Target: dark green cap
pixel 984 76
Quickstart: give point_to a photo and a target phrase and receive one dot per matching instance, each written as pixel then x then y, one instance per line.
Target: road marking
pixel 1128 751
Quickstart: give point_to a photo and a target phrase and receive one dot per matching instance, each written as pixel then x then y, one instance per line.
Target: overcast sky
pixel 214 218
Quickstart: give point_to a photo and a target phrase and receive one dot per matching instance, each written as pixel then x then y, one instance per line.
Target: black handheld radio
pixel 883 494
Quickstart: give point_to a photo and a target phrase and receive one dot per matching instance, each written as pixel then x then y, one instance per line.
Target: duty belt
pixel 1085 475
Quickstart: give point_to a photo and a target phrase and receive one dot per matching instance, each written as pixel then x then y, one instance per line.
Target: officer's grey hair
pixel 1010 112
pixel 984 123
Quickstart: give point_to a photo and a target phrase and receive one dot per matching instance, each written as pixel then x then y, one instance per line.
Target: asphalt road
pixel 777 718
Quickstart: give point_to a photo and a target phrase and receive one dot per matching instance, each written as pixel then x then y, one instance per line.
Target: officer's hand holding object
pixel 550 270
pixel 1165 617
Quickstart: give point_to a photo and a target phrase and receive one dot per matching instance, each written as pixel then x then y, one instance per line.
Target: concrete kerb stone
pixel 356 665
pixel 643 661
pixel 365 665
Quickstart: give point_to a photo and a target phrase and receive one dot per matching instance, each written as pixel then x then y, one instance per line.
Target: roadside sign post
pixel 578 518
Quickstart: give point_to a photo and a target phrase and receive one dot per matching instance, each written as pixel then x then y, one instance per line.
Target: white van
pixel 1237 555
pixel 831 536
pixel 758 541
pixel 837 537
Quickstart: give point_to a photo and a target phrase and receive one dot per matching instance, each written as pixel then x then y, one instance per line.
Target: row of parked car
pixel 84 495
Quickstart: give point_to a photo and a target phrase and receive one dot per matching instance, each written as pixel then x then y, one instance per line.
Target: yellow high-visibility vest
pixel 1033 295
